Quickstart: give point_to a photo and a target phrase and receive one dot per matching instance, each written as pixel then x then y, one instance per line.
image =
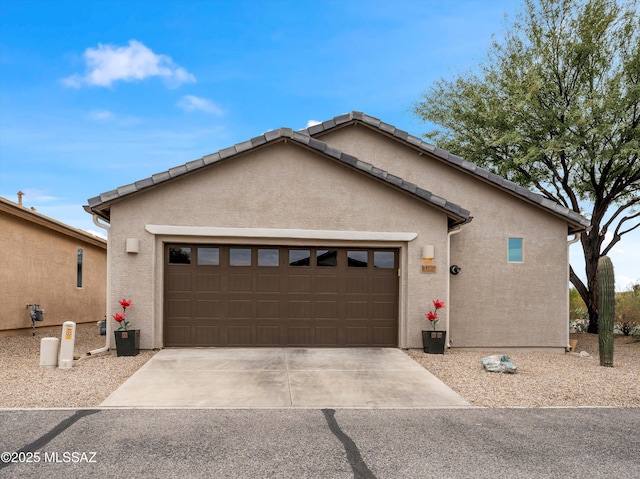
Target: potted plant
pixel 127 340
pixel 433 341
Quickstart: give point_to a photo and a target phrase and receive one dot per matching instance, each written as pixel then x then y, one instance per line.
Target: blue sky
pixel 98 94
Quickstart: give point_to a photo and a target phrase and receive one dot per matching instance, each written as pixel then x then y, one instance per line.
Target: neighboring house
pixel 338 235
pixel 63 269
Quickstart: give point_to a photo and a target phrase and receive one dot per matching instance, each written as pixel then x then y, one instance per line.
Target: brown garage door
pixel 220 295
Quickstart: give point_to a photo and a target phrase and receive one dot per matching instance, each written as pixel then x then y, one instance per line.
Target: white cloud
pixel 100 115
pixel 311 123
pixel 108 64
pixel 193 103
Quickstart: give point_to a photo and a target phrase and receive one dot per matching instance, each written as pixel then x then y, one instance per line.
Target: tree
pixel 556 107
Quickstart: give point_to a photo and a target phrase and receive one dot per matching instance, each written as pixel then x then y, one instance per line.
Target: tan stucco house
pixel 340 235
pixel 46 262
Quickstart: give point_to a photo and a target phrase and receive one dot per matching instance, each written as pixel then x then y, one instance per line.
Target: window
pixel 179 255
pixel 357 259
pixel 515 250
pixel 209 256
pixel 240 256
pixel 384 259
pixel 268 257
pixel 326 257
pixel 299 257
pixel 79 269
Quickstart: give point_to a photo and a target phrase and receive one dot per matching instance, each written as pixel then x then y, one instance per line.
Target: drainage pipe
pixel 448 303
pixel 107 328
pixel 575 239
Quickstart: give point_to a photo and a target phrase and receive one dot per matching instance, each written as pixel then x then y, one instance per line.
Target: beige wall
pixel 282 186
pixel 39 265
pixel 493 303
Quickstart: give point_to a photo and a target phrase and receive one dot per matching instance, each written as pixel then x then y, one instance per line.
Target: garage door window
pixel 179 255
pixel 268 257
pixel 357 259
pixel 299 257
pixel 209 256
pixel 384 259
pixel 240 257
pixel 326 257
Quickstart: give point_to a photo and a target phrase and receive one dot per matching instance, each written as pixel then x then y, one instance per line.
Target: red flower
pixel 125 303
pixel 431 316
pixel 118 317
pixel 438 304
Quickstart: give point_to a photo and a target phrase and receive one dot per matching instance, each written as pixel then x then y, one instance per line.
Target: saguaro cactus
pixel 606 310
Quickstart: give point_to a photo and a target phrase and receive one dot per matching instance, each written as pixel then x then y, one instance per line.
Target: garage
pixel 247 296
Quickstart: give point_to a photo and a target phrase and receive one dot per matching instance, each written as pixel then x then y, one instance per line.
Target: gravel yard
pixel 543 379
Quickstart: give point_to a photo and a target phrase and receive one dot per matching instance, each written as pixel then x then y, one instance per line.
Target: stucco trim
pixel 212 231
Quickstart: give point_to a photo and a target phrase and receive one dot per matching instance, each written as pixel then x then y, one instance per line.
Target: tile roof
pixel 100 205
pixel 578 221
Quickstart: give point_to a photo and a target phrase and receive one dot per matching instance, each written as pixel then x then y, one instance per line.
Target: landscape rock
pixel 498 363
pixel 584 354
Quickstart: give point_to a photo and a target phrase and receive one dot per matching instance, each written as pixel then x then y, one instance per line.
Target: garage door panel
pixel 240 282
pixel 326 336
pixel 240 309
pixel 268 283
pixel 383 335
pixel 268 309
pixel 357 336
pixel 208 308
pixel 383 310
pixel 180 282
pixel 280 296
pixel 299 283
pixel 357 310
pixel 326 309
pixel 299 335
pixel 239 336
pixel 268 335
pixel 299 309
pixel 206 335
pixel 208 282
pixel 179 308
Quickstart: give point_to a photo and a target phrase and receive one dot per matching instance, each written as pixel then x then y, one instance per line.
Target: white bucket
pixel 49 352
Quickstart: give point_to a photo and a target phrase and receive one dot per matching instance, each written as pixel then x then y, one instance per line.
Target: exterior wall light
pixel 428 254
pixel 133 245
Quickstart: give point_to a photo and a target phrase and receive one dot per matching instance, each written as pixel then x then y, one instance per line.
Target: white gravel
pixel 542 380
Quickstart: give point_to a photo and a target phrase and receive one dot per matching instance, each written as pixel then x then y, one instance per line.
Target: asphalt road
pixel 312 443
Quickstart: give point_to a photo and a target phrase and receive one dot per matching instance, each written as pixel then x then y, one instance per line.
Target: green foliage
pixel 606 309
pixel 628 310
pixel 556 107
pixel 577 308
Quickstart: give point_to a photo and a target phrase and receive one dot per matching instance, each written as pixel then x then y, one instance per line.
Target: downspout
pixel 576 238
pixel 107 328
pixel 448 303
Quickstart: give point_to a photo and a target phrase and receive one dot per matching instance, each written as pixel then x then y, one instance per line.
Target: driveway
pixel 283 378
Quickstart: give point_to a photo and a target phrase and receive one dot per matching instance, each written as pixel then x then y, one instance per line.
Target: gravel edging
pixel 542 380
pixel 24 384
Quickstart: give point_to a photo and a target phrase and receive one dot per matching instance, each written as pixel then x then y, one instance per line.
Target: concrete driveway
pixel 283 378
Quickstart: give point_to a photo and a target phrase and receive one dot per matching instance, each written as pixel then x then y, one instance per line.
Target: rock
pixel 498 363
pixel 584 354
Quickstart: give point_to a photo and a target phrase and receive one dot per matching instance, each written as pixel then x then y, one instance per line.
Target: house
pixel 340 235
pixel 46 262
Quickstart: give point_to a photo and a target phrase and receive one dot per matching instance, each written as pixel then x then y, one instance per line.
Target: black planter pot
pixel 127 342
pixel 434 342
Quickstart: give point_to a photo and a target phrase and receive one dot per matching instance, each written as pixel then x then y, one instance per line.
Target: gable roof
pixel 576 221
pixel 101 205
pixel 32 216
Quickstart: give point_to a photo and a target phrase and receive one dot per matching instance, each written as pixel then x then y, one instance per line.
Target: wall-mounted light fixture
pixel 428 255
pixel 133 245
pixel 428 251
